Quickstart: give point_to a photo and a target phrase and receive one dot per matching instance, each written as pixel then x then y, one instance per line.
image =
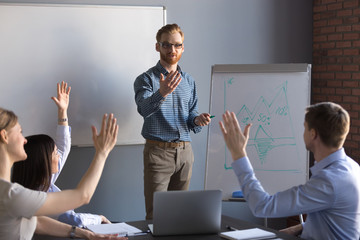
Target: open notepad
pixel 253 233
pixel 122 229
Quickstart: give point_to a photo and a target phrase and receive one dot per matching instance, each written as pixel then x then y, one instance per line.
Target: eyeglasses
pixel 167 45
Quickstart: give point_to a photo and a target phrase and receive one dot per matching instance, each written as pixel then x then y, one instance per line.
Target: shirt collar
pixel 164 71
pixel 336 156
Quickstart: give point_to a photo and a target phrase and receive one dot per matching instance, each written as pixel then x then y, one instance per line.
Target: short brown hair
pixel 8 119
pixel 330 121
pixel 169 28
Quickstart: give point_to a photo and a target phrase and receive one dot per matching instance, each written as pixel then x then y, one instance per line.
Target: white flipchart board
pixel 272 97
pixel 98 49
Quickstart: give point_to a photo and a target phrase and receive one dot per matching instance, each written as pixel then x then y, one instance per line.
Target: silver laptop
pixel 186 212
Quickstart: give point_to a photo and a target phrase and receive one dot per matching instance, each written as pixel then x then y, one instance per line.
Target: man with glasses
pixel 166 98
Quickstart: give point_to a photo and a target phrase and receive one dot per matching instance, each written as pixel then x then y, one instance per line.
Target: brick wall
pixel 336 61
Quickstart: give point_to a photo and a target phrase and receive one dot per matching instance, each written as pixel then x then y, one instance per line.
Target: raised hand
pixel 235 139
pixel 106 140
pixel 169 84
pixel 63 96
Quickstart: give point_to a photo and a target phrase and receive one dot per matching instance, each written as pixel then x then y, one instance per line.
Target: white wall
pixel 216 32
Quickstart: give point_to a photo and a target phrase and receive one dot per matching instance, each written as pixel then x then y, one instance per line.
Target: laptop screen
pixel 187 212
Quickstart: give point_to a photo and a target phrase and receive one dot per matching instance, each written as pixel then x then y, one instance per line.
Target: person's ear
pixel 313 133
pixel 3 136
pixel 157 47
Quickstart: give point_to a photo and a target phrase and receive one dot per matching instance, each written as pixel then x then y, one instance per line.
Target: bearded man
pixel 166 98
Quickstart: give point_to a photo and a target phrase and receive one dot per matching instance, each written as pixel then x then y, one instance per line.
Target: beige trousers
pixel 165 169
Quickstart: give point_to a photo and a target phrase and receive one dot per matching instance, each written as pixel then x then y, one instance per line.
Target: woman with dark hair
pixel 35 173
pixel 46 158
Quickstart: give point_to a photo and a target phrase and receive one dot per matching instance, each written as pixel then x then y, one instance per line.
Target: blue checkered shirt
pixel 167 119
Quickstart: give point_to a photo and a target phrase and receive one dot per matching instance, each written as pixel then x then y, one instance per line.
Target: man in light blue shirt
pixel 331 197
pixel 167 100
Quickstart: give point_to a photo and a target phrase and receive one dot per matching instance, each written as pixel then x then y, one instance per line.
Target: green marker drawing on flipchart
pixel 264 115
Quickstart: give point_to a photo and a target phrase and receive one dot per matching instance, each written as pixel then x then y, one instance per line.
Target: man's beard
pixel 170 60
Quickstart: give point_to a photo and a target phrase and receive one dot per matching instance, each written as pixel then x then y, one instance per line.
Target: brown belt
pixel 167 144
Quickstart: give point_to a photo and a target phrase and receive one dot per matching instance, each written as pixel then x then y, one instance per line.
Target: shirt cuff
pixel 157 97
pixel 242 165
pixel 90 219
pixel 195 128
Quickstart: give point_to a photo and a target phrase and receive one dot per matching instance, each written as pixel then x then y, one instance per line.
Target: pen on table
pixel 138 234
pixel 231 228
pixel 135 234
pixel 212 116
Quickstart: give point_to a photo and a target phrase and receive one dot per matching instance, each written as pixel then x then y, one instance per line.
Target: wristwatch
pixel 72 232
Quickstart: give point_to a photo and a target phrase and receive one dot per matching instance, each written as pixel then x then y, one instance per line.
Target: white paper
pixel 253 233
pixel 121 229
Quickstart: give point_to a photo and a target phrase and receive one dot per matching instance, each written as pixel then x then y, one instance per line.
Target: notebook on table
pixel 186 212
pixel 248 234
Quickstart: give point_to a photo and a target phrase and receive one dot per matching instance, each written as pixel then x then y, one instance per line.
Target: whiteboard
pixel 273 98
pixel 98 50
